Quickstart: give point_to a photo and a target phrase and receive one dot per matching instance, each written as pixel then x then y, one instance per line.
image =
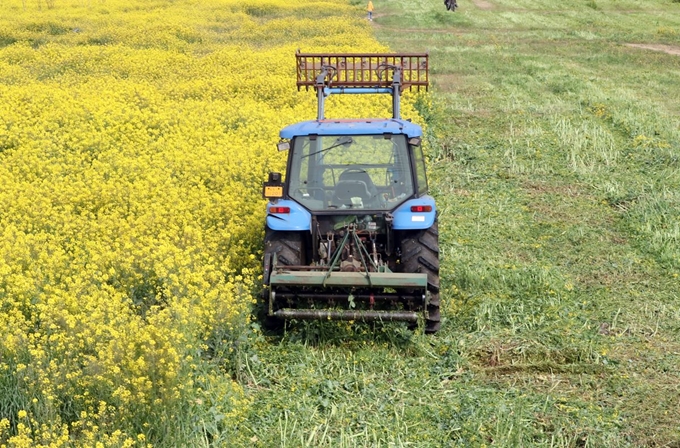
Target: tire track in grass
pixel 483 4
pixel 668 49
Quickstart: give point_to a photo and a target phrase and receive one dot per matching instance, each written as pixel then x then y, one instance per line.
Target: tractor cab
pixel 357 171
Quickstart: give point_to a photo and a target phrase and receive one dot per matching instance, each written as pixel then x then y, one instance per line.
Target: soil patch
pixel 483 4
pixel 670 49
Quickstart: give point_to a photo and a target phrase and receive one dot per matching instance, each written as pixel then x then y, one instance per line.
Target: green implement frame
pixel 369 285
pixel 354 279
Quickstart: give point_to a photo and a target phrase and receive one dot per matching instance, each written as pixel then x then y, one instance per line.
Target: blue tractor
pixel 351 232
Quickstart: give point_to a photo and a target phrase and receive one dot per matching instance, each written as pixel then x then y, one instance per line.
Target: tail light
pixel 279 210
pixel 421 208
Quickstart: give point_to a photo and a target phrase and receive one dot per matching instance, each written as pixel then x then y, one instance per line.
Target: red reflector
pixel 279 209
pixel 421 208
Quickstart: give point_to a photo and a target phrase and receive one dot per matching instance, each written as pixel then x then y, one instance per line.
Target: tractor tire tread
pixel 286 245
pixel 420 254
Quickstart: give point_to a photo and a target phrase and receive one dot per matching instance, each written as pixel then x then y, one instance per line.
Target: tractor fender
pixel 405 219
pixel 298 219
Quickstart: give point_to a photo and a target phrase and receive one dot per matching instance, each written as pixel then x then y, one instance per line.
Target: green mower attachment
pixel 354 289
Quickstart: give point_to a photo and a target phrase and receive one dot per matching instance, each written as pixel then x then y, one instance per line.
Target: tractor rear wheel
pixel 286 246
pixel 420 254
pixel 282 248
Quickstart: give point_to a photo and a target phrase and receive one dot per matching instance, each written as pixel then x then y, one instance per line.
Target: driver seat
pixel 354 183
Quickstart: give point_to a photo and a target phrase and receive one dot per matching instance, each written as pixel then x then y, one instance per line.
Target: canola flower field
pixel 134 139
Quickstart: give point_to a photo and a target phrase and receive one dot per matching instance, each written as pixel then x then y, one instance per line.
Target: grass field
pixel 134 137
pixel 556 166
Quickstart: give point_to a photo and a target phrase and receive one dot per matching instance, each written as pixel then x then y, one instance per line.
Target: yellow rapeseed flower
pixel 134 139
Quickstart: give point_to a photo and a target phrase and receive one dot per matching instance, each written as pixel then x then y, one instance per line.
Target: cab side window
pixel 419 160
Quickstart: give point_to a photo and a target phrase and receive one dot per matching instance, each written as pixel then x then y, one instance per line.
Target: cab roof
pixel 362 126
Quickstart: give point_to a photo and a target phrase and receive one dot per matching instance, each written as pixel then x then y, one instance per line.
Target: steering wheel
pixel 352 170
pixel 299 192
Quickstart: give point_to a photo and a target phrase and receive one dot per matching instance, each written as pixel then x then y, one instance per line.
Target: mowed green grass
pixel 555 161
